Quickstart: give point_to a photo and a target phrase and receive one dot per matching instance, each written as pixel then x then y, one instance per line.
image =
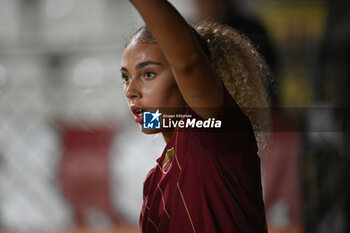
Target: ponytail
pixel 243 72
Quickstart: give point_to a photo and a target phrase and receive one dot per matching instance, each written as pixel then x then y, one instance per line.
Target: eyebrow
pixel 141 65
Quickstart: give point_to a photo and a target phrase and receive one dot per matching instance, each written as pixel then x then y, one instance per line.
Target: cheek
pixel 124 90
pixel 171 97
pixel 125 94
pixel 164 93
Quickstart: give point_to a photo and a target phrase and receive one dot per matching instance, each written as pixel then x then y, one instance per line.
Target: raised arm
pixel 196 79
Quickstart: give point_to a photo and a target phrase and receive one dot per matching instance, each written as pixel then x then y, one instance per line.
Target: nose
pixel 132 89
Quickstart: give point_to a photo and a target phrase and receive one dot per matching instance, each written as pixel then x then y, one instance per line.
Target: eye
pixel 125 78
pixel 149 75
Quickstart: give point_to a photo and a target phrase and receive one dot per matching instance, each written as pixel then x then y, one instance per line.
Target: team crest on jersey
pixel 169 156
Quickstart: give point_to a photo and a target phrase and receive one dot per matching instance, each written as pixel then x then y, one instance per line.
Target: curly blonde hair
pixel 243 72
pixel 241 68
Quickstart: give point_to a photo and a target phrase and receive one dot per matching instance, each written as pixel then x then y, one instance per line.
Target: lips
pixel 138 113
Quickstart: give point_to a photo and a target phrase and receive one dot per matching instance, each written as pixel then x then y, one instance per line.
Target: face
pixel 149 83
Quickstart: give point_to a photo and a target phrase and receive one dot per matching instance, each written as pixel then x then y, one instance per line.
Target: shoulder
pixel 229 132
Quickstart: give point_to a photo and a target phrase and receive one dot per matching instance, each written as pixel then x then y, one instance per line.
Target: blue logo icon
pixel 151 120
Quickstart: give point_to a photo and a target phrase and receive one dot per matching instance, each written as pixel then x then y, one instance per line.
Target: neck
pixel 167 135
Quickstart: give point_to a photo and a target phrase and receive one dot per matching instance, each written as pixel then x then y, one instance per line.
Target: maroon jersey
pixel 206 180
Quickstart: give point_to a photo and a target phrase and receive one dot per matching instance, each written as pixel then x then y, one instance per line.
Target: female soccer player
pixel 207 179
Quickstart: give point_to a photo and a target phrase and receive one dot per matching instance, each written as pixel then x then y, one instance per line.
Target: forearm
pixel 171 31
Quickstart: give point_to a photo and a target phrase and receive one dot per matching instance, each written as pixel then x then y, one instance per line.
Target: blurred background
pixel 73 160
